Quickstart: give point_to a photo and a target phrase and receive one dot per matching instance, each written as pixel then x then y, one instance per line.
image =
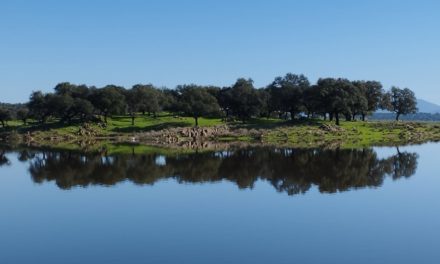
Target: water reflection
pixel 292 171
pixel 3 158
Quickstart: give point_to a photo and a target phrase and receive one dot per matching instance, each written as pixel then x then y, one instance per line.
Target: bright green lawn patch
pixel 162 121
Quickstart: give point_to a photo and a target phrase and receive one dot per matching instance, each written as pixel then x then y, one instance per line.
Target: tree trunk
pixel 330 116
pixel 132 120
pixel 197 120
pixel 363 117
pixel 337 119
pixel 292 115
pixel 43 120
pixel 353 117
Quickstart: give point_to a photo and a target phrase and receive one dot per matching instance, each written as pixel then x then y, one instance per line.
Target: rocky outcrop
pixel 203 132
pixel 174 135
pixel 87 130
pixel 331 128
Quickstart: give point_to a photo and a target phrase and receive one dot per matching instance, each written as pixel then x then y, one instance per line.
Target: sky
pixel 166 42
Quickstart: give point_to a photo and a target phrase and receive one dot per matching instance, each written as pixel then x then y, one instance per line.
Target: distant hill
pixel 427 107
pixel 411 117
pixel 423 106
pixel 427 112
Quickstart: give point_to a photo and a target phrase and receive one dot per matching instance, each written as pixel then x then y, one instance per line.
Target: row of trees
pixel 288 97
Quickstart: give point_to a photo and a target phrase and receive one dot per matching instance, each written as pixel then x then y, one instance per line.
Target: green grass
pixel 115 125
pixel 355 134
pixel 162 121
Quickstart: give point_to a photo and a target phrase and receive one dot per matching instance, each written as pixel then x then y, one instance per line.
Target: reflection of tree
pixel 288 170
pixel 403 164
pixel 3 159
pixel 25 155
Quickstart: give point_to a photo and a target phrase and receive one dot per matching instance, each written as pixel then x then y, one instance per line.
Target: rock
pixel 330 128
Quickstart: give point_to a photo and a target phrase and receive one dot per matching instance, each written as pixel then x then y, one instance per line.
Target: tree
pixel 133 101
pixel 197 102
pixel 263 96
pixel 82 109
pixel 334 96
pixel 60 106
pixel 23 114
pixel 68 102
pixel 169 100
pixel 244 100
pixel 225 101
pixel 400 101
pixel 311 100
pixel 357 102
pixel 38 106
pixel 214 91
pixel 149 98
pixel 5 116
pixel 286 93
pixel 109 100
pixel 373 92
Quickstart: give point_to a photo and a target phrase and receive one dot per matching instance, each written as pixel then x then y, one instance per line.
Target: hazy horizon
pixel 170 42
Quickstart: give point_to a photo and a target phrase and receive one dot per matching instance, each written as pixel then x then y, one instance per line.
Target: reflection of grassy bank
pixel 148 130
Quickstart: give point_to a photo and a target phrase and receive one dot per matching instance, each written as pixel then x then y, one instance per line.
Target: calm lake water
pixel 373 205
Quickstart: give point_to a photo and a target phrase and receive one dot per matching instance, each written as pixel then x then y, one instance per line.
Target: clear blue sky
pixel 215 42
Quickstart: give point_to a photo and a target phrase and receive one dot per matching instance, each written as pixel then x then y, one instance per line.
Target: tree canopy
pixel 400 101
pixel 289 97
pixel 243 99
pixel 197 102
pixel 287 94
pixel 5 116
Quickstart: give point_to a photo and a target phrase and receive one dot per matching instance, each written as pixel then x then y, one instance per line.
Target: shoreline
pixel 302 135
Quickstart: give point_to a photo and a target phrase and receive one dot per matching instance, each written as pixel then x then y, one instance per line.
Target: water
pixel 259 205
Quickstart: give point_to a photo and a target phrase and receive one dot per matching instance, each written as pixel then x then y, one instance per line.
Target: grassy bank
pixel 117 125
pixel 301 133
